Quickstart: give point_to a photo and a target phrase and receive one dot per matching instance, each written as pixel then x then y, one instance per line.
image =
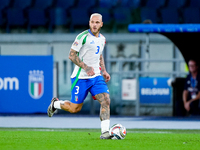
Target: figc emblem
pixel 36 84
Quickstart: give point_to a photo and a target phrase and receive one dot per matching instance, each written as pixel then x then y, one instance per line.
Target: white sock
pixel 105 125
pixel 57 104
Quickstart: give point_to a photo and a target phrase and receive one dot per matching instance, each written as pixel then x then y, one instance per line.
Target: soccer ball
pixel 118 132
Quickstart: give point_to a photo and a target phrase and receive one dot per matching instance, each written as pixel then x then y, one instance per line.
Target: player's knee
pixel 106 100
pixel 75 110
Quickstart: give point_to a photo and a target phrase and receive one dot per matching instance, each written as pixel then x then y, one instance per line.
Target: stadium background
pixel 48 27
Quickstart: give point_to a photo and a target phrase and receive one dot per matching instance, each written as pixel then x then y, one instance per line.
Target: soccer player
pixel 86 54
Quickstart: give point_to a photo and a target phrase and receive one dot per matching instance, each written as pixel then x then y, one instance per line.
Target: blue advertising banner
pixel 164 28
pixel 154 90
pixel 26 83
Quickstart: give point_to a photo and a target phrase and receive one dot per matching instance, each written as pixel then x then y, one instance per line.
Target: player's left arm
pixel 103 69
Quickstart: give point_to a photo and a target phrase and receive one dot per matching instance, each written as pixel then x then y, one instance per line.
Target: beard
pixel 98 30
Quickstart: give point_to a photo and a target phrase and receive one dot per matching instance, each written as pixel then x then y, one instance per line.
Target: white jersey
pixel 89 49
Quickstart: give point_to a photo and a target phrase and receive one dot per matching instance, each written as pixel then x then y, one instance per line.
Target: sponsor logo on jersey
pixel 36 84
pixel 92 42
pixel 75 44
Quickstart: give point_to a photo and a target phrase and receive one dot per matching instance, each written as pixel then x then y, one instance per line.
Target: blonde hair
pixel 96 14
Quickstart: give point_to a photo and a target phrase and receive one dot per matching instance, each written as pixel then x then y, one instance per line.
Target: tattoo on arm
pixel 88 69
pixel 102 65
pixel 76 60
pixel 104 100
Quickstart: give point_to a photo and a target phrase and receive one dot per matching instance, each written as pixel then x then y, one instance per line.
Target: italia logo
pixel 36 84
pixel 76 98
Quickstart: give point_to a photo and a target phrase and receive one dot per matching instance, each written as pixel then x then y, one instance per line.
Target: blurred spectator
pixel 120 55
pixel 120 51
pixel 191 93
pixel 147 21
pixel 133 65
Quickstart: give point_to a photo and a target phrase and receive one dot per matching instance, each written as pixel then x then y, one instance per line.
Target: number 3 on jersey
pixel 98 48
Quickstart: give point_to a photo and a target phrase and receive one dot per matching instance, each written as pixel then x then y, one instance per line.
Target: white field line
pixel 65 130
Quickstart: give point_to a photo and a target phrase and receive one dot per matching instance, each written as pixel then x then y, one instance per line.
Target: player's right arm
pixel 76 60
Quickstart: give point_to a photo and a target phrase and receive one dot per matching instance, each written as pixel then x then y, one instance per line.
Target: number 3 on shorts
pixel 77 89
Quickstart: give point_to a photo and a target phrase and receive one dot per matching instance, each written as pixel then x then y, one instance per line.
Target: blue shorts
pixel 95 86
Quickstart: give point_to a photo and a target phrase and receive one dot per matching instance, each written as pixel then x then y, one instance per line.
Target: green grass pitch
pixel 88 139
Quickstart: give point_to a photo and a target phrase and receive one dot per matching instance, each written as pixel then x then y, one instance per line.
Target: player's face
pixel 95 24
pixel 192 66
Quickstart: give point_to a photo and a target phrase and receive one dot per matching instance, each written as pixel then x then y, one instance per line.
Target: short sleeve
pixel 79 41
pixel 77 44
pixel 186 82
pixel 185 86
pixel 198 81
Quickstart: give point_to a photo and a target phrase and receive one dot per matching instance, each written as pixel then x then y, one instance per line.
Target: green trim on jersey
pixel 76 80
pixel 80 36
pixel 79 70
pixel 84 40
